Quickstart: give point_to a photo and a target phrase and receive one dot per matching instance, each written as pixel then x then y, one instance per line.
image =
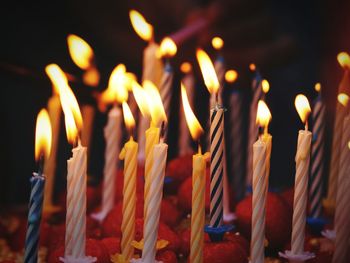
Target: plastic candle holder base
pixel 316 224
pixel 70 259
pixel 329 234
pixel 139 260
pixel 216 234
pixel 296 258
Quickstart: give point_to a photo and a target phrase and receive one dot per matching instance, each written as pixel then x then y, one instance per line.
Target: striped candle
pixel 317 158
pixel 302 160
pixel 76 205
pixel 236 142
pixel 216 165
pixel 258 202
pixel 129 155
pixel 253 127
pixel 151 224
pixel 34 218
pixel 198 208
pixel 341 220
pixel 166 88
pixel 113 137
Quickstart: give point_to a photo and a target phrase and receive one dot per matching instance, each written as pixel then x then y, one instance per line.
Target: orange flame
pixel 167 47
pixel 265 85
pixel 208 71
pixel 140 96
pixel 318 87
pixel 186 67
pixel 343 99
pixel 128 117
pixel 231 76
pixel 155 103
pixel 116 90
pixel 193 124
pixel 252 67
pixel 80 52
pixel 43 135
pixel 303 107
pixel 263 116
pixel 217 43
pixel 142 28
pixel 344 59
pixel 57 77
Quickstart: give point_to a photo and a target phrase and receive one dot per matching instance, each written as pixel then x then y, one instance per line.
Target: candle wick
pixel 199 148
pixel 266 130
pixel 41 165
pixel 162 131
pixel 306 125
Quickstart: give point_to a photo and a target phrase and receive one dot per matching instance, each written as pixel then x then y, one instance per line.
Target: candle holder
pixel 85 259
pixel 329 234
pixel 316 224
pixel 216 234
pixel 296 258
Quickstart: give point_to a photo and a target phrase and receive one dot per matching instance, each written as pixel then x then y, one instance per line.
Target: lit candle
pixel 76 182
pixel 258 92
pixel 341 112
pixel 184 135
pixel 152 68
pixel 341 219
pixel 302 160
pixel 54 110
pixel 317 155
pixel 261 164
pixel 167 50
pixel 216 147
pixel 43 136
pixel 129 155
pixel 235 137
pixel 198 184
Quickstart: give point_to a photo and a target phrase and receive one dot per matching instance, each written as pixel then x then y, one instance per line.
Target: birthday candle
pixel 341 219
pixel 302 160
pixel 42 151
pixel 341 112
pixel 317 156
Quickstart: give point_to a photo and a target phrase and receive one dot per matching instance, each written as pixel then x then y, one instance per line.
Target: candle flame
pixel 91 77
pixel 265 86
pixel 344 59
pixel 193 124
pixel 303 107
pixel 128 117
pixel 80 51
pixel 252 67
pixel 217 43
pixel 231 76
pixel 140 96
pixel 186 67
pixel 208 71
pixel 263 116
pixel 57 77
pixel 343 99
pixel 130 78
pixel 155 103
pixel 116 90
pixel 142 28
pixel 318 87
pixel 43 135
pixel 167 47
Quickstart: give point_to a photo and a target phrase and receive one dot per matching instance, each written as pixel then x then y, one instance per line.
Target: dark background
pixel 294 43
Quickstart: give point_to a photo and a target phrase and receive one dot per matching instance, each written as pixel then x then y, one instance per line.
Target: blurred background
pixel 294 44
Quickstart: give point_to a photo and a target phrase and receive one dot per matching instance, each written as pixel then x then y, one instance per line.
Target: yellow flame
pixel 217 43
pixel 142 28
pixel 231 76
pixel 318 87
pixel 80 51
pixel 57 77
pixel 344 59
pixel 155 103
pixel 265 86
pixel 303 107
pixel 208 71
pixel 117 86
pixel 91 77
pixel 193 124
pixel 167 47
pixel 130 78
pixel 349 144
pixel 140 96
pixel 128 118
pixel 186 67
pixel 263 116
pixel 343 99
pixel 43 135
pixel 252 67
